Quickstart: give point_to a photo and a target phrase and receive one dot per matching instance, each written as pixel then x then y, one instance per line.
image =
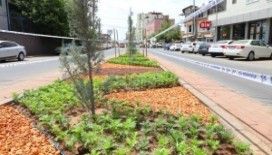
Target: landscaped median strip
pixel 128 128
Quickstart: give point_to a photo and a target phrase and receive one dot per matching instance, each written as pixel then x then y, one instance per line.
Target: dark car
pixel 167 46
pixel 204 48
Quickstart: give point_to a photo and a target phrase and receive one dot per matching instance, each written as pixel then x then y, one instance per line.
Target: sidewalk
pixel 256 119
pixel 31 83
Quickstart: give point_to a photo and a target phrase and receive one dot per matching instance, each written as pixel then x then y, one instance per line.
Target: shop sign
pixel 206 24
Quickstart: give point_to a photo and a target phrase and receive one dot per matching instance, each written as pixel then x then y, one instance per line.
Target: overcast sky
pixel 114 13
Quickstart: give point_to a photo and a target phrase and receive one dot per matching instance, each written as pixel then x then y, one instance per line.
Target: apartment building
pixel 244 19
pixel 149 20
pixel 3 15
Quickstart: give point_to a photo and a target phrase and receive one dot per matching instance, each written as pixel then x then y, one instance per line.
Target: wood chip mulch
pixel 176 100
pixel 116 69
pixel 19 137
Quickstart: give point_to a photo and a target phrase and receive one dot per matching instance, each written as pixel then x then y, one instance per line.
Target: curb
pixel 258 144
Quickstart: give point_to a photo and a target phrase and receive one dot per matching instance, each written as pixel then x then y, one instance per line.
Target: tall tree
pixel 83 60
pixel 131 35
pixel 171 35
pixel 48 16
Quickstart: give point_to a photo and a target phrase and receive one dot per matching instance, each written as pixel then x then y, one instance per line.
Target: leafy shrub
pixel 140 81
pixel 123 129
pixel 135 59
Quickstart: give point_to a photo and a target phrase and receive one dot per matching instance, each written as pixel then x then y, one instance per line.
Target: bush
pixel 140 81
pixel 136 60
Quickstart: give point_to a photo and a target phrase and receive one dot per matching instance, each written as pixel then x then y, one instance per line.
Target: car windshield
pixel 240 42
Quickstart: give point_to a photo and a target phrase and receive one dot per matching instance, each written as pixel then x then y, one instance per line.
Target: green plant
pixel 162 151
pixel 135 59
pixel 242 148
pixel 140 81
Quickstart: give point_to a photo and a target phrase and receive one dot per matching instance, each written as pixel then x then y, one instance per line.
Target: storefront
pixel 224 32
pixel 239 31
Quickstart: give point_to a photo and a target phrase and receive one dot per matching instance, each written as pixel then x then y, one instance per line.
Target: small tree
pixel 83 60
pixel 131 35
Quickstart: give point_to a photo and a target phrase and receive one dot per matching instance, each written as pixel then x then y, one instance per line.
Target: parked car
pixel 250 49
pixel 159 45
pixel 216 49
pixel 187 47
pixel 167 46
pixel 196 46
pixel 175 47
pixel 204 48
pixel 12 50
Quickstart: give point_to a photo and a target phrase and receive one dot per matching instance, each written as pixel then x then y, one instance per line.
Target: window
pixel 255 43
pixel 8 44
pixel 234 1
pixel 190 28
pixel 0 3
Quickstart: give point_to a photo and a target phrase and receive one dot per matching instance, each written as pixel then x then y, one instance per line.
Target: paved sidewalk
pixel 30 83
pixel 255 115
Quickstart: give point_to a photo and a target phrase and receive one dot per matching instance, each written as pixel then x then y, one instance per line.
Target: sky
pixel 114 13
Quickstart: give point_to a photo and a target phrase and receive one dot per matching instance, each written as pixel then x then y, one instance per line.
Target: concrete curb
pixel 258 143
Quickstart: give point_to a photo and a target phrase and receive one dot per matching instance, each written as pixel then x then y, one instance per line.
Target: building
pixel 198 28
pixel 143 19
pixel 247 19
pixel 154 26
pixel 3 15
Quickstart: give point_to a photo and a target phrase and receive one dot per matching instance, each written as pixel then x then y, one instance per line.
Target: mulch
pixel 19 137
pixel 109 69
pixel 176 100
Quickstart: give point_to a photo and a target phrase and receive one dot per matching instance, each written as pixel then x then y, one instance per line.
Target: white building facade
pixel 244 19
pixel 3 15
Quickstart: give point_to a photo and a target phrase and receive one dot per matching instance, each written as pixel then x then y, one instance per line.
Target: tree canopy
pixel 48 16
pixel 171 35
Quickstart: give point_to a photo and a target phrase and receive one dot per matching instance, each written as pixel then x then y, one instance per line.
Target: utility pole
pixel 194 21
pixel 145 43
pixel 114 36
pixel 216 23
pixel 118 43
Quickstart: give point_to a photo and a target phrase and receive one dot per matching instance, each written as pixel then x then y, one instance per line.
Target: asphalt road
pixel 12 72
pixel 249 88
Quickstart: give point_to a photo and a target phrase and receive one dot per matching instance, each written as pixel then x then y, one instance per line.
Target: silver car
pixel 11 50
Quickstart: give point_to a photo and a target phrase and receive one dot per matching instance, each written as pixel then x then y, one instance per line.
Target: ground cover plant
pixel 149 80
pixel 134 59
pixel 119 128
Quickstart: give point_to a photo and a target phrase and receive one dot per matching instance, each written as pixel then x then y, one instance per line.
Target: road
pixel 16 72
pixel 249 88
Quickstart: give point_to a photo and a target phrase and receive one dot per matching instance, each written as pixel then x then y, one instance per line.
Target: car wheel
pixel 203 54
pixel 231 58
pixel 213 55
pixel 182 51
pixel 271 56
pixel 21 56
pixel 251 56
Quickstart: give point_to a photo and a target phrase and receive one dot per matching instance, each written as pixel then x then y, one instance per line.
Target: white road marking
pixel 13 64
pixel 252 76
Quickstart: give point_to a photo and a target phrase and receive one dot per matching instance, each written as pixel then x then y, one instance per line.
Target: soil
pixel 176 100
pixel 18 136
pixel 116 69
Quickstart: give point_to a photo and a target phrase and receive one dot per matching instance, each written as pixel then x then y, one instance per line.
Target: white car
pixel 187 47
pixel 11 50
pixel 217 48
pixel 250 49
pixel 175 47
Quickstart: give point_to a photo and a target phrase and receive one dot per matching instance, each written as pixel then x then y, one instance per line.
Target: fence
pixel 35 44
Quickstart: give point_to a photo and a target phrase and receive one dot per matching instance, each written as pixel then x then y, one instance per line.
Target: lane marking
pixel 252 76
pixel 13 64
